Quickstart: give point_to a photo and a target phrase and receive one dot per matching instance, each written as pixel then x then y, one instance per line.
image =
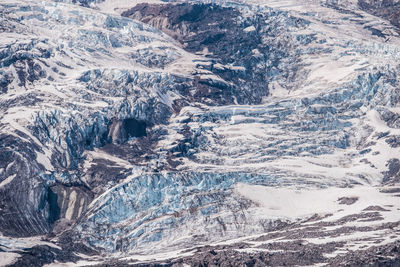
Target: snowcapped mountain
pixel 243 133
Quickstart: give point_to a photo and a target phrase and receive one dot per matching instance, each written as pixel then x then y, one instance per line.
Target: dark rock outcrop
pixel 41 255
pixel 387 9
pixel 242 50
pixel 121 131
pixel 393 174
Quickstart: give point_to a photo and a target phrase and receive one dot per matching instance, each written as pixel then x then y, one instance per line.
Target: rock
pixel 121 131
pixel 347 200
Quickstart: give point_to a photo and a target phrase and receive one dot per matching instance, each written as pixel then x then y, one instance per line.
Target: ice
pixel 8 258
pixel 315 137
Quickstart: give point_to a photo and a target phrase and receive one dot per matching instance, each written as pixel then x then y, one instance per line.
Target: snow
pixel 116 7
pixel 7 180
pixel 8 258
pixel 386 152
pixel 250 29
pixel 255 250
pixel 98 154
pixel 159 256
pixel 276 90
pixel 331 72
pixel 297 205
pixel 74 264
pixel 268 140
pixel 292 203
pixel 44 160
pixel 17 244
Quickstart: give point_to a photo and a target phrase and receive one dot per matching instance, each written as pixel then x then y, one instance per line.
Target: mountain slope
pixel 197 133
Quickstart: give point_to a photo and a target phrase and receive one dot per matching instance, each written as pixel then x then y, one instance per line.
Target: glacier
pixel 198 133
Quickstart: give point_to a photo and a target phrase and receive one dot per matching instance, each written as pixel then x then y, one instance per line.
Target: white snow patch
pixel 97 153
pixel 116 7
pixel 7 180
pixel 72 264
pixel 159 256
pixel 8 258
pixel 292 203
pixel 250 29
pixel 13 243
pixel 44 160
pixel 276 90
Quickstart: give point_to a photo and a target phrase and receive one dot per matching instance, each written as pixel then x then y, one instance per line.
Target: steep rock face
pixel 24 199
pixel 69 202
pixel 121 131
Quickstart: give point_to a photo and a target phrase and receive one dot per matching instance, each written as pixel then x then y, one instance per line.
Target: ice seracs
pixel 198 132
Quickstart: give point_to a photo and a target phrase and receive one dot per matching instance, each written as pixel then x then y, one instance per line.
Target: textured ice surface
pixel 323 115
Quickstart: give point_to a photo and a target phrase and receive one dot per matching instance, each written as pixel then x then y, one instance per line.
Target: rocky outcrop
pixel 242 49
pixel 387 9
pixel 121 131
pixel 25 206
pixel 393 173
